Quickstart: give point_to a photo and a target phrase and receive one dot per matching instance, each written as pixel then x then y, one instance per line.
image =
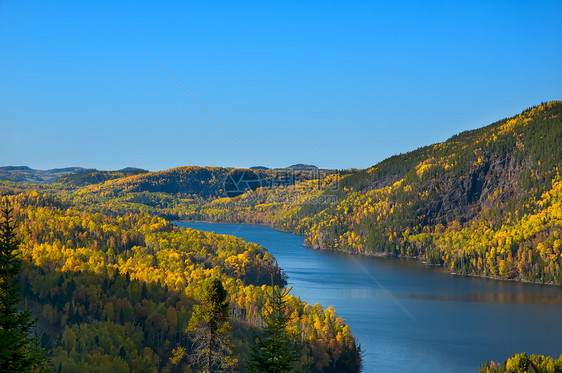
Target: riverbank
pixel 382 255
pixel 409 316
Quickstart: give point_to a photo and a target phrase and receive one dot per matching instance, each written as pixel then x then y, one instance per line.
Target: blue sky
pixel 78 86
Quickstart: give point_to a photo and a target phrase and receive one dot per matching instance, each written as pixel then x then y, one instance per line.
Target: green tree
pixel 210 327
pixel 19 348
pixel 276 350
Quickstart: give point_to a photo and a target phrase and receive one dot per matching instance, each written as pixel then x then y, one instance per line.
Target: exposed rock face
pixel 488 185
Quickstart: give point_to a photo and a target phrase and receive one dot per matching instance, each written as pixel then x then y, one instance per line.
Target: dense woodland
pixel 90 177
pixel 524 363
pixel 116 292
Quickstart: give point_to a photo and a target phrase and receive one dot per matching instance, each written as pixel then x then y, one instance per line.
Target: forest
pixel 524 363
pixel 117 292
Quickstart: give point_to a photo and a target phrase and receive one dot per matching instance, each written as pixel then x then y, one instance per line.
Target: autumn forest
pixel 116 286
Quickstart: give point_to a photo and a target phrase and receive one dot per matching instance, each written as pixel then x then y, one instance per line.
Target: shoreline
pixel 379 255
pixel 419 259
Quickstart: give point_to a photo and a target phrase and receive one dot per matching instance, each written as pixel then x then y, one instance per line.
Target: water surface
pixel 409 317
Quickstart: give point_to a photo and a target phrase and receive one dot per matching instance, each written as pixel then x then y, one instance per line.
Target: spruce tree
pixel 276 350
pixel 19 349
pixel 210 327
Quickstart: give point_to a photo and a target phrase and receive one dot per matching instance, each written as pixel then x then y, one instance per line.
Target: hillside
pixel 115 293
pixel 485 202
pixel 24 174
pixel 89 177
pixel 173 193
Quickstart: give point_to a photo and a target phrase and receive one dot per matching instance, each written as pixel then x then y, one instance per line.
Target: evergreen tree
pixel 19 349
pixel 276 351
pixel 210 327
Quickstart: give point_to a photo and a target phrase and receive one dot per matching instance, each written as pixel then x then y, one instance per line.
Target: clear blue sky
pixel 78 86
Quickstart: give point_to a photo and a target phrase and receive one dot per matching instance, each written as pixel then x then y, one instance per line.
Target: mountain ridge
pixel 25 174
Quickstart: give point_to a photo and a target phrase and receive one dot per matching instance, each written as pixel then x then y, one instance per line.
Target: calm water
pixel 409 317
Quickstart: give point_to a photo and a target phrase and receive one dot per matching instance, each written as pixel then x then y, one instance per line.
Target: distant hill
pixel 188 181
pixel 133 169
pixel 84 178
pixel 23 174
pixel 181 182
pixel 302 167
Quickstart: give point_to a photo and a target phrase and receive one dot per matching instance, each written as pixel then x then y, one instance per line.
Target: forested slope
pixel 485 202
pixel 24 174
pixel 115 292
pixel 177 192
pixel 524 363
pixel 81 179
pixel 103 262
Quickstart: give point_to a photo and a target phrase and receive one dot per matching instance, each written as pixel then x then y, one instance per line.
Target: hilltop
pixel 89 177
pixel 24 174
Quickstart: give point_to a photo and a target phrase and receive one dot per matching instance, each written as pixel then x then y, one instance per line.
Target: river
pixel 409 317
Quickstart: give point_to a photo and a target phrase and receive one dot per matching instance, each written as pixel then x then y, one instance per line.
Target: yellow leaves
pixel 524 118
pixel 542 249
pixel 519 144
pixel 238 263
pixel 503 268
pixel 556 245
pixel 424 167
pixel 72 264
pixel 424 194
pixel 397 184
pixel 509 125
pixel 177 355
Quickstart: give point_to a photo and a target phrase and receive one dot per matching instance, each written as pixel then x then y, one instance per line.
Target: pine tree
pixel 19 349
pixel 276 351
pixel 210 327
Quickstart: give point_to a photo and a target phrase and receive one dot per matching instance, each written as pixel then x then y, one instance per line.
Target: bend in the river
pixel 411 317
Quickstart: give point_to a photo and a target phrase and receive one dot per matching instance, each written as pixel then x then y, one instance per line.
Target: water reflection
pixel 500 298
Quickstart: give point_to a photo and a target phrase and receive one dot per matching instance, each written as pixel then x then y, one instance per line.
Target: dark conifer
pixel 210 326
pixel 276 350
pixel 19 349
